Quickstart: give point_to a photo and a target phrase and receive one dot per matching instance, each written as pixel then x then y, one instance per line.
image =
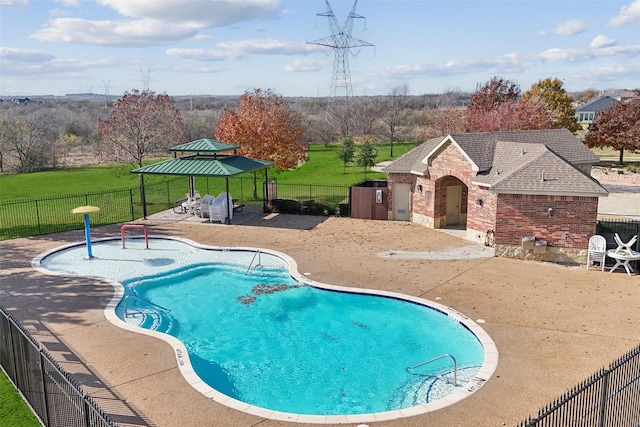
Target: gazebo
pixel 203 157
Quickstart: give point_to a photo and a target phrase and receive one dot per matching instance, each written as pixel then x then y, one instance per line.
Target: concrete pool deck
pixel 553 325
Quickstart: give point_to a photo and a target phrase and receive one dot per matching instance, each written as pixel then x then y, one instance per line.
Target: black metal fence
pixel 610 398
pixel 53 395
pixel 309 199
pixel 34 217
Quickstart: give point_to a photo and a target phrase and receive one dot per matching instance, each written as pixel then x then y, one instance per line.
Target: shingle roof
pixel 597 105
pixel 505 169
pixel 411 162
pixel 523 168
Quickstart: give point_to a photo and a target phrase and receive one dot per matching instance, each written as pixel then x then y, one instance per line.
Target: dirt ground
pixel 553 325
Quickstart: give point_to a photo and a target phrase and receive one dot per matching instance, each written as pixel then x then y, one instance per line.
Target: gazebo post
pixel 192 190
pixel 229 208
pixel 143 198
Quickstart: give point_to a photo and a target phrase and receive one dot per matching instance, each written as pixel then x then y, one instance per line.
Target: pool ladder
pixel 259 264
pixel 455 366
pixel 124 303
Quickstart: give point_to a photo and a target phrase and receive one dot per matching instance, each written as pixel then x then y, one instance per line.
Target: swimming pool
pixel 226 352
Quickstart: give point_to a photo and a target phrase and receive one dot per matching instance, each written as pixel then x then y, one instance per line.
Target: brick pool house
pixel 530 194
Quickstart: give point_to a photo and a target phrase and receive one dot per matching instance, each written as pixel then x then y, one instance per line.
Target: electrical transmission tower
pixel 341 42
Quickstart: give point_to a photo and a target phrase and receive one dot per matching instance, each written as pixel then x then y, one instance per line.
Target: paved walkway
pixel 553 325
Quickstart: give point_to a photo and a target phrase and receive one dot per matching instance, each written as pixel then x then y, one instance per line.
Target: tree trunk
pixel 143 200
pixel 255 185
pixel 621 155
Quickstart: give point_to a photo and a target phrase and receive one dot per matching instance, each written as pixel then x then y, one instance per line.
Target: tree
pixel 367 155
pixel 265 127
pixel 515 115
pixel 394 113
pixel 364 115
pixel 347 152
pixel 552 94
pixel 29 140
pixel 445 122
pixel 141 124
pixel 617 127
pixel 494 93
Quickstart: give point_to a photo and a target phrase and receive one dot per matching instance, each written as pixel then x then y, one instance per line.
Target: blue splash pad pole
pixel 86 210
pixel 87 235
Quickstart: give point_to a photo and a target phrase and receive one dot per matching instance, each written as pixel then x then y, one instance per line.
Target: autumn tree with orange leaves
pixel 266 128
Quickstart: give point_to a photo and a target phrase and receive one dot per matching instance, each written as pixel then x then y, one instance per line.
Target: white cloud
pixel 614 73
pixel 568 28
pixel 69 2
pixel 513 63
pixel 21 62
pixel 23 55
pixel 602 41
pixel 203 13
pixel 628 14
pixel 113 33
pixel 14 3
pixel 203 54
pixel 265 46
pixel 305 65
pixel 153 22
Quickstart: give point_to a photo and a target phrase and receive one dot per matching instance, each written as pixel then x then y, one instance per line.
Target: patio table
pixel 191 207
pixel 623 259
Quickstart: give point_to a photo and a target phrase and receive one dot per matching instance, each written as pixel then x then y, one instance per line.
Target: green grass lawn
pixel 322 167
pixel 13 409
pixel 610 157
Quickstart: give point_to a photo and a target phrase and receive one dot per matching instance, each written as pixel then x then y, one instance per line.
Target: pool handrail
pixel 455 366
pixel 257 254
pixel 124 303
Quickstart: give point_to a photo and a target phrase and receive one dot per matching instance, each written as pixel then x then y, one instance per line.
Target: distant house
pixel 19 101
pixel 588 111
pixel 502 188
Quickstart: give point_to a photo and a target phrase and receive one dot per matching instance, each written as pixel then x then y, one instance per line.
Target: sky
pixel 227 47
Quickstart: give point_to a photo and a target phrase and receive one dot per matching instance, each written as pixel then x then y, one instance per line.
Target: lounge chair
pixel 219 209
pixel 597 250
pixel 205 203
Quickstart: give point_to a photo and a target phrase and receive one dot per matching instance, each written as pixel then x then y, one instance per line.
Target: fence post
pixel 131 203
pixel 604 397
pixel 45 397
pixel 87 410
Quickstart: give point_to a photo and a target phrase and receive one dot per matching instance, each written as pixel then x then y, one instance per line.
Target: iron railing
pixel 309 199
pixel 54 396
pixel 609 398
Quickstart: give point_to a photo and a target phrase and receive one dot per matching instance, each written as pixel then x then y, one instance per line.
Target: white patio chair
pixel 219 209
pixel 597 250
pixel 624 246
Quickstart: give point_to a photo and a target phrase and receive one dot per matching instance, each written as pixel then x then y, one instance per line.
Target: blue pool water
pixel 263 338
pixel 255 333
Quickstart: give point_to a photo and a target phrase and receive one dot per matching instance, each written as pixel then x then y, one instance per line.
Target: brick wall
pixel 399 178
pixel 510 216
pixel 572 221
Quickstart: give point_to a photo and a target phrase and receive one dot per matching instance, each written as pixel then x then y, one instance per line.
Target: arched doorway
pixel 451 203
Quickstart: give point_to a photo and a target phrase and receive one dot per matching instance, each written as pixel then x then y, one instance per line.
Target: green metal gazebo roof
pixel 204 145
pixel 220 167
